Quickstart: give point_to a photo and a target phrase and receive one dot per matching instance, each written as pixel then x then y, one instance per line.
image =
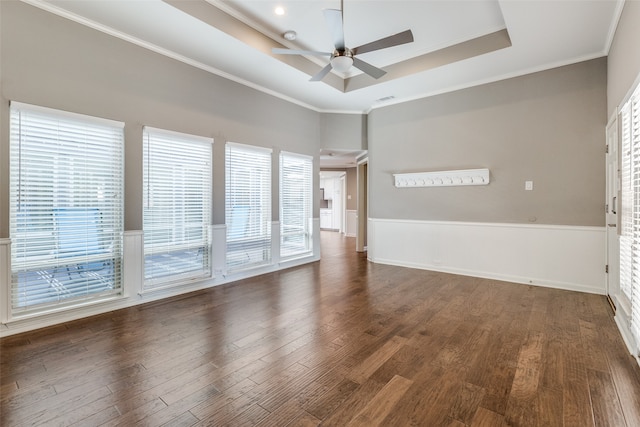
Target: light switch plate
pixel 528 185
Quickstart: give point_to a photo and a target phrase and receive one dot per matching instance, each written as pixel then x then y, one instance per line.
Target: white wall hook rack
pixel 442 178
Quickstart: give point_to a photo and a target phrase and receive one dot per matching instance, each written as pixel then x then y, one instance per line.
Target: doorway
pixel 332 203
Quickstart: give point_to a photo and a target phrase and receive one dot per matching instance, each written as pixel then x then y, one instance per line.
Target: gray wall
pixel 352 188
pixel 53 62
pixel 547 127
pixel 343 131
pixel 624 56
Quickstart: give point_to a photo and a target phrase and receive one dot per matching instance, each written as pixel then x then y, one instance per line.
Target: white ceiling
pixel 234 39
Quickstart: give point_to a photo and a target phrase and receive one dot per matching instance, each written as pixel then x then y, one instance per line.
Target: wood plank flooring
pixel 341 342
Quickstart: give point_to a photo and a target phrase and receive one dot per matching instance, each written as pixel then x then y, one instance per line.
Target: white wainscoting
pixel 352 223
pixel 133 278
pixel 5 280
pixel 133 264
pixel 219 250
pixel 623 320
pixel 565 257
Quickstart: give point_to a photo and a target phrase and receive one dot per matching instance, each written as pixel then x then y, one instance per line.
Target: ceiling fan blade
pixel 383 43
pixel 320 75
pixel 374 72
pixel 281 51
pixel 334 21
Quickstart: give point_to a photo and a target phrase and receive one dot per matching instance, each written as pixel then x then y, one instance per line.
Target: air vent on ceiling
pixel 386 98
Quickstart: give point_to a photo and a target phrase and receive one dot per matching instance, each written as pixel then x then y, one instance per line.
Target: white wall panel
pixel 219 250
pixel 565 257
pixel 5 278
pixel 352 223
pixel 133 267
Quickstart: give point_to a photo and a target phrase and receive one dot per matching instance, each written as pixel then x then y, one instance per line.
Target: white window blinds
pixel 248 206
pixel 176 207
pixel 626 193
pixel 630 217
pixel 296 204
pixel 635 144
pixel 66 216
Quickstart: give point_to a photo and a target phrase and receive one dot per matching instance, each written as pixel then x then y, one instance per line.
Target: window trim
pixel 629 119
pixel 265 246
pixel 76 259
pixel 165 281
pixel 308 232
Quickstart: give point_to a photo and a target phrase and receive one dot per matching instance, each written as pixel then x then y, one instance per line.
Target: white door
pixel 612 210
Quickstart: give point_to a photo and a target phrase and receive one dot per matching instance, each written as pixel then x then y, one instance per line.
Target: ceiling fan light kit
pixel 342 61
pixel 343 58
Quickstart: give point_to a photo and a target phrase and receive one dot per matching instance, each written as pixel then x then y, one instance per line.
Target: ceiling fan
pixel 342 58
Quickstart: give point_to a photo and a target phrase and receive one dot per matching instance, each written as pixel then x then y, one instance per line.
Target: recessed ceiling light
pixel 279 10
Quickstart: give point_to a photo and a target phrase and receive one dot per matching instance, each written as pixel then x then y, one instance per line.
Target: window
pixel 626 217
pixel 296 204
pixel 177 207
pixel 630 216
pixel 248 206
pixel 66 216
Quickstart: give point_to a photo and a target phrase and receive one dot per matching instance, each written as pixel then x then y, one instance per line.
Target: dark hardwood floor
pixel 341 342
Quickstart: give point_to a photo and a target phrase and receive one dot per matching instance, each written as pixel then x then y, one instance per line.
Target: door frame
pixel 612 204
pixel 362 205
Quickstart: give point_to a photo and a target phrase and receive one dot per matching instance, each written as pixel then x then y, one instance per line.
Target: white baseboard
pixel 625 332
pixel 564 257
